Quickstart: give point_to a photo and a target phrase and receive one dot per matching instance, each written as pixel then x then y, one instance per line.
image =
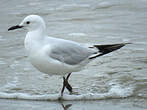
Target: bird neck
pixel 37 34
pixel 34 39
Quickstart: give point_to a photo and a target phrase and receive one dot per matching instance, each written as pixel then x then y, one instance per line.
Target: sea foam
pixel 114 92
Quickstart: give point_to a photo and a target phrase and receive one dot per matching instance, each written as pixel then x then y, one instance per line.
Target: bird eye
pixel 28 22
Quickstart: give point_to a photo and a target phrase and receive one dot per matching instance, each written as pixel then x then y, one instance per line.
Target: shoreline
pixel 111 104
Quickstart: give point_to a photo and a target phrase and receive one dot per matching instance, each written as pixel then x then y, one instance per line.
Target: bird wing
pixel 70 53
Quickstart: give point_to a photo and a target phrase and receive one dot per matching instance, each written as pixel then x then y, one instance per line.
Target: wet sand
pixel 109 104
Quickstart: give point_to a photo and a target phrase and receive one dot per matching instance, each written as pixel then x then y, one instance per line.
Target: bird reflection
pixel 66 107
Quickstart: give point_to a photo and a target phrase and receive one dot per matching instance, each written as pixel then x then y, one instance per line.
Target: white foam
pixel 72 6
pixel 2 38
pixel 77 34
pixel 115 92
pixel 105 5
pixel 119 91
pixel 2 62
pixel 25 96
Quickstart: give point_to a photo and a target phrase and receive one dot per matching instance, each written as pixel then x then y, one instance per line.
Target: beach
pixel 115 81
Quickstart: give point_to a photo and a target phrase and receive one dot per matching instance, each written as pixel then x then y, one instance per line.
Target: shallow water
pixel 116 75
pixel 74 105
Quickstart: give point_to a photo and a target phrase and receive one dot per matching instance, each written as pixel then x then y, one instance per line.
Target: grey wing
pixel 70 54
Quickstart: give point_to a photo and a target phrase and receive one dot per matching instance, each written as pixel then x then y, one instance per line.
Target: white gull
pixel 58 56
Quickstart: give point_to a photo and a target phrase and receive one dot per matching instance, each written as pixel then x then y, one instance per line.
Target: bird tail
pixel 105 49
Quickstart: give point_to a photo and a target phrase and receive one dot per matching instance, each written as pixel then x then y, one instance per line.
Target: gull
pixel 55 56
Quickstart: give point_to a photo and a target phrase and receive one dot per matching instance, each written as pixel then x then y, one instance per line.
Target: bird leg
pixel 66 84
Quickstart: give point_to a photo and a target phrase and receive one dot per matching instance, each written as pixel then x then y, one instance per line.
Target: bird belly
pixel 50 66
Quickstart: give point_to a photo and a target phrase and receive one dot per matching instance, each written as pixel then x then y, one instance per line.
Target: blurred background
pixel 121 74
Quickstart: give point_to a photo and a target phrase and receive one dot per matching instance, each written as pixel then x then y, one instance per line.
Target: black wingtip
pixel 105 49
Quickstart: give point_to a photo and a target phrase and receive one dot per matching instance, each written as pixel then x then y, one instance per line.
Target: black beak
pixel 15 27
